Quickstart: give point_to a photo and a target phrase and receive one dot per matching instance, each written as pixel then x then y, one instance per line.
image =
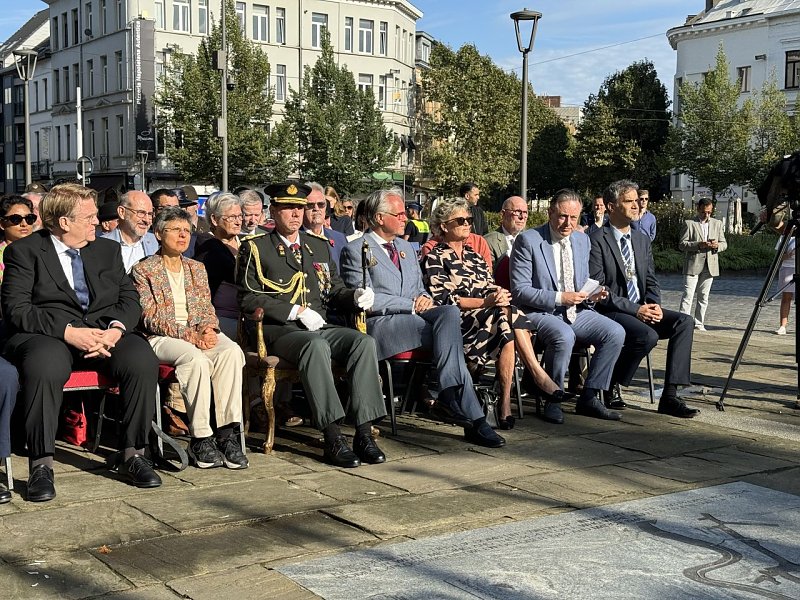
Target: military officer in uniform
pixel 290 274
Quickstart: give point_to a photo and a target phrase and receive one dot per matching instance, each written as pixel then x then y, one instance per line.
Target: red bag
pixel 73 427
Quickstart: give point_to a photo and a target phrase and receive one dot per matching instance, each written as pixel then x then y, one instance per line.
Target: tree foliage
pixel 625 128
pixel 550 163
pixel 189 102
pixel 338 128
pixel 710 141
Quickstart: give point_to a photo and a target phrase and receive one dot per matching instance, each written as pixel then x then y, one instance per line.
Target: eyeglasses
pixel 18 219
pixel 520 214
pixel 313 205
pixel 142 214
pixel 86 219
pixel 229 218
pixel 184 230
pixel 402 216
pixel 347 207
pixel 460 221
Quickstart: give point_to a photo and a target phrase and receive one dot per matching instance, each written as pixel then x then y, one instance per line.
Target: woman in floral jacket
pixel 182 327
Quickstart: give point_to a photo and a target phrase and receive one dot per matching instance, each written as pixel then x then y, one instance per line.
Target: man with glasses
pixel 314 221
pixel 404 317
pixel 68 304
pixel 646 223
pixel 133 233
pixel 514 216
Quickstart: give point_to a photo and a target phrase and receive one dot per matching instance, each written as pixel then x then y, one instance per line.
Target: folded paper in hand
pixel 591 287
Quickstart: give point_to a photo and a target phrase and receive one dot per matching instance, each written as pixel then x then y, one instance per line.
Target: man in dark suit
pixel 292 277
pixel 622 260
pixel 67 303
pixel 404 317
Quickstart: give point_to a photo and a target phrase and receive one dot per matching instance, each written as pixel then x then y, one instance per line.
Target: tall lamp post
pixel 524 15
pixel 26 65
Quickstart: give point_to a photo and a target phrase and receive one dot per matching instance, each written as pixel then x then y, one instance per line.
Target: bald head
pixel 135 215
pixel 515 214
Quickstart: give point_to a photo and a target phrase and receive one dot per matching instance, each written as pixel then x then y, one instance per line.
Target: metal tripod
pixel 791 230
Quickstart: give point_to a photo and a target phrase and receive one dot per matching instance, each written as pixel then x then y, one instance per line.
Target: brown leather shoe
pixel 172 423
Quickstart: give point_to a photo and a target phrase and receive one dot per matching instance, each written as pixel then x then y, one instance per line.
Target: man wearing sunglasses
pixel 314 221
pixel 404 317
pixel 133 232
pixel 514 216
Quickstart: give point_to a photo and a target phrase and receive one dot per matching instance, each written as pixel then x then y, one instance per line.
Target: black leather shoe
pixel 5 495
pixel 41 484
pixel 614 399
pixel 367 450
pixel 676 408
pixel 139 471
pixel 594 408
pixel 338 454
pixel 484 435
pixel 552 413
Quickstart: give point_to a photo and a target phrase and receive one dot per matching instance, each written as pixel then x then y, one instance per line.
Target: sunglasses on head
pixel 17 219
pixel 460 221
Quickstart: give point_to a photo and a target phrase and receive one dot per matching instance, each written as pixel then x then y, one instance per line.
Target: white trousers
pixel 702 284
pixel 200 371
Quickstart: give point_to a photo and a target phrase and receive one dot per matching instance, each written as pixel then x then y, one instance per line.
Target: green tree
pixel 711 138
pixel 338 128
pixel 550 163
pixel 189 102
pixel 631 106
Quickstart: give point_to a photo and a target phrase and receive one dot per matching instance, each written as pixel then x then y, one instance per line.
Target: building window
pixel 90 77
pixel 76 78
pixel 365 82
pixel 56 86
pixel 54 32
pixel 382 92
pixel 180 15
pixel 743 74
pixel 88 21
pixel 104 126
pixel 280 25
pixel 68 141
pixel 91 140
pixel 75 27
pixel 58 142
pixel 240 14
pixel 104 72
pixel 793 69
pixel 119 8
pixel 318 22
pixel 396 41
pixel 120 70
pixel 202 17
pixel 260 23
pixel 403 46
pixel 65 79
pixel 365 32
pixel 65 31
pixel 426 51
pixel 103 17
pixel 348 34
pixel 35 96
pixel 46 105
pixel 160 14
pixel 121 134
pixel 383 39
pixel 280 83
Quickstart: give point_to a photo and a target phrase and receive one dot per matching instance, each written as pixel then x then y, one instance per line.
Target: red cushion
pixel 88 379
pixel 415 354
pixel 166 371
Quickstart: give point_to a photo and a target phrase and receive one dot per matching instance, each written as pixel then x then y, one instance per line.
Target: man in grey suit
pixel 403 316
pixel 622 260
pixel 514 216
pixel 133 233
pixel 702 239
pixel 549 266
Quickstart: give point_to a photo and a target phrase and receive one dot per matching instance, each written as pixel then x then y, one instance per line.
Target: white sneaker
pixel 700 327
pixel 780 330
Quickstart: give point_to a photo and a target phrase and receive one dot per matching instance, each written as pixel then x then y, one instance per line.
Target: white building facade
pixel 760 38
pixel 108 55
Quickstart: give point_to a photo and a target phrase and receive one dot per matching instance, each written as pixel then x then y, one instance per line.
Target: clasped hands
pixel 649 313
pixel 499 297
pixel 206 339
pixel 91 341
pixel 709 245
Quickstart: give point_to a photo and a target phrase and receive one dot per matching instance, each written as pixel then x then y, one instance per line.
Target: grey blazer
pixel 149 241
pixel 497 244
pixel 391 321
pixel 695 258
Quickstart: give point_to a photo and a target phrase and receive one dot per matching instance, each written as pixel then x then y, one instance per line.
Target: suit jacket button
pixel 280 280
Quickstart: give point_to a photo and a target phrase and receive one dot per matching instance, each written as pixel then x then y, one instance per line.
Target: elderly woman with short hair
pixel 456 274
pixel 224 215
pixel 180 324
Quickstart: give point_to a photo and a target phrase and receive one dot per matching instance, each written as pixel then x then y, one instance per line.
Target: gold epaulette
pixel 253 236
pixel 296 286
pixel 315 235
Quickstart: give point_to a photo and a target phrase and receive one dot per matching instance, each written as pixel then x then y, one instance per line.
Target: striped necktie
pixel 630 271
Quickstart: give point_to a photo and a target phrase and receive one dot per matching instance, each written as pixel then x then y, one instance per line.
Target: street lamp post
pixel 26 65
pixel 524 15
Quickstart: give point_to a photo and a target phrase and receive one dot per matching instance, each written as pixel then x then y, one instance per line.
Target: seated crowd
pixel 144 281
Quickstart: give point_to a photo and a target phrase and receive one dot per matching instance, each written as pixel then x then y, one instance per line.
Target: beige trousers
pixel 200 371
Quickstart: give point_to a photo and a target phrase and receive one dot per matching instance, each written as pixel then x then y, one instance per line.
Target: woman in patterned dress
pixel 493 329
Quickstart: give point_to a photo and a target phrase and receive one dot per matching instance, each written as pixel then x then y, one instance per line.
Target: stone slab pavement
pixel 206 534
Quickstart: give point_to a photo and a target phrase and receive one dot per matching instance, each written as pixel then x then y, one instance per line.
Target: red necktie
pixel 393 256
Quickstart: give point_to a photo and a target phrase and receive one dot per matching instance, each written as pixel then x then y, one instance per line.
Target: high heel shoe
pixel 507 423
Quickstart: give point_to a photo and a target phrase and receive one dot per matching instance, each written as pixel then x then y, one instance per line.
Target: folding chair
pixel 420 360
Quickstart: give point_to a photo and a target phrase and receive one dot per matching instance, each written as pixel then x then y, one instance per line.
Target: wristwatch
pixel 120 327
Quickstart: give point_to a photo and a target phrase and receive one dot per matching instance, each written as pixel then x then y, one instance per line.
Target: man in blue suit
pixel 314 221
pixel 133 234
pixel 403 316
pixel 549 266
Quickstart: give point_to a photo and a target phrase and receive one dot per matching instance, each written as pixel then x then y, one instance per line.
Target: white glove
pixel 311 319
pixel 364 298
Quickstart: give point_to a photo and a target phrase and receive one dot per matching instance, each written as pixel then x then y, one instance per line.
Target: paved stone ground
pixel 206 534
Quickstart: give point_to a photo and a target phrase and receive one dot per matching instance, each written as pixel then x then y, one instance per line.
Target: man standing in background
pixel 470 192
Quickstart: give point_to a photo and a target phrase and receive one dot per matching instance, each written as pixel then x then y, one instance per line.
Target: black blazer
pixel 37 298
pixel 607 267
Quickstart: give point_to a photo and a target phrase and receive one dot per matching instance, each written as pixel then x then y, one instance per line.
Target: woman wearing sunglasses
pixel 456 274
pixel 16 222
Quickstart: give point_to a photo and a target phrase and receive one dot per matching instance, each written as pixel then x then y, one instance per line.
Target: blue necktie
pixel 630 272
pixel 79 278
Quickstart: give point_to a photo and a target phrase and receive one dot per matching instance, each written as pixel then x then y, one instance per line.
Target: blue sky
pixel 571 57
